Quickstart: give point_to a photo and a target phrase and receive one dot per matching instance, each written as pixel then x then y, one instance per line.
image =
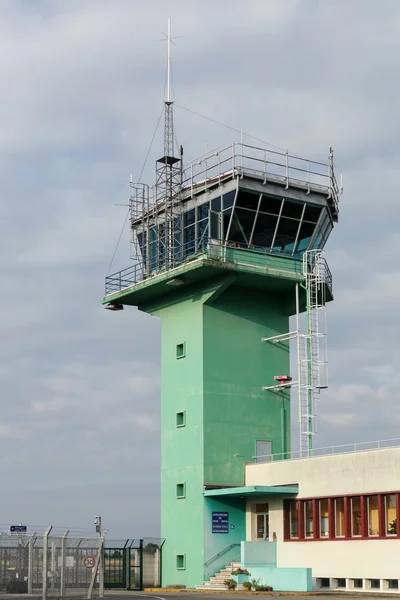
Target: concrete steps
pixel 217 581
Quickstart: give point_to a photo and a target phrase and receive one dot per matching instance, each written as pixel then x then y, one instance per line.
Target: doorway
pixel 262 522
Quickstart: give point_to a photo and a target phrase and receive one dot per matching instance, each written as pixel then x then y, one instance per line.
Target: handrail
pixel 337 449
pixel 220 553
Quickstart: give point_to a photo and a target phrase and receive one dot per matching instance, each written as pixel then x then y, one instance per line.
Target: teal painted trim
pixel 283 579
pixel 254 490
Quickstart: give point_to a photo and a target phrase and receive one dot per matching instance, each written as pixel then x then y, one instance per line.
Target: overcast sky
pixel 82 90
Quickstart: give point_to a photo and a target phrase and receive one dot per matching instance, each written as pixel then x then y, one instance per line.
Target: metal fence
pixel 65 565
pixel 51 565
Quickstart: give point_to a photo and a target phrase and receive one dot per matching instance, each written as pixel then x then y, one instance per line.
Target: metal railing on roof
pixel 240 160
pixel 329 450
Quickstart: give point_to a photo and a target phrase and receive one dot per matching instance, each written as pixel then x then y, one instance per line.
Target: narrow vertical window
pixel 390 514
pixel 355 504
pixel 180 350
pixel 373 516
pixel 309 518
pixel 323 518
pixel 180 490
pixel 339 517
pixel 181 561
pixel 181 419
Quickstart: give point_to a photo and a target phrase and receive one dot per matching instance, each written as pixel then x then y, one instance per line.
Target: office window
pixel 324 518
pixel 355 504
pixel 308 518
pixel 390 514
pixel 339 517
pixel 373 515
pixel 180 350
pixel 180 490
pixel 294 518
pixel 181 419
pixel 181 561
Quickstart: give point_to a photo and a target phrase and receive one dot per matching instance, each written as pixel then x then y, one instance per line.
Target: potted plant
pixel 230 584
pixel 240 576
pixel 254 584
pixel 247 585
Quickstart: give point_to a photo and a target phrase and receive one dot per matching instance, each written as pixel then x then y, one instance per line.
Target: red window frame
pixel 347 518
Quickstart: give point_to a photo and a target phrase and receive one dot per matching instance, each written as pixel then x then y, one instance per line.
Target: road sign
pixel 18 528
pixel 89 561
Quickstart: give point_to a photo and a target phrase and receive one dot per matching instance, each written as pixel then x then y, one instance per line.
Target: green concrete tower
pixel 217 248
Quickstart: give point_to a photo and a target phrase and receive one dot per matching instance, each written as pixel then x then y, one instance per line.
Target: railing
pixel 329 450
pixel 258 258
pixel 239 160
pixel 226 556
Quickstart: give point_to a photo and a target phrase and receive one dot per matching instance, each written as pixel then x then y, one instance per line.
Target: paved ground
pixel 238 595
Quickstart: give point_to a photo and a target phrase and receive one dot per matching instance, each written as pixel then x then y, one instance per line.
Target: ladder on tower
pixel 311 347
pixel 312 353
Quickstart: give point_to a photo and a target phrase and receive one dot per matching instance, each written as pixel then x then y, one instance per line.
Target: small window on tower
pixel 180 490
pixel 181 419
pixel 181 561
pixel 180 350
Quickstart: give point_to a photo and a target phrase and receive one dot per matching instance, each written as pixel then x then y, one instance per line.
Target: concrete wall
pixel 353 473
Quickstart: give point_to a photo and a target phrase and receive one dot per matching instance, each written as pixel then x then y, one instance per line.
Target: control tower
pixel 225 249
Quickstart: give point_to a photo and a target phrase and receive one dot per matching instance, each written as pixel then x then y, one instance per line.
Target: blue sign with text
pixel 18 528
pixel 220 522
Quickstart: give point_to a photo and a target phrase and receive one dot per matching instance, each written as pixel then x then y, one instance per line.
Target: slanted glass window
pixel 247 200
pixel 291 209
pixel 324 518
pixel 312 213
pixel 373 515
pixel 227 200
pixel 390 514
pixel 286 234
pixel 294 518
pixel 202 211
pixel 271 205
pixel 305 234
pixel 309 518
pixel 355 504
pixel 241 226
pixel 339 517
pixel 264 230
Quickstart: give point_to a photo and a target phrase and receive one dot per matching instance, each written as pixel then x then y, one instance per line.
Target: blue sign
pixel 18 528
pixel 220 522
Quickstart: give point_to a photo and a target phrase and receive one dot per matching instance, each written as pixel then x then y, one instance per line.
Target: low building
pixel 319 522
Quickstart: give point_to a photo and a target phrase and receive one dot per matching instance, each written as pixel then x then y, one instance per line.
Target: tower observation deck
pixel 241 209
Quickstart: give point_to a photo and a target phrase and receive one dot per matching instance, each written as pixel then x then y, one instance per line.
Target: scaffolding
pixel 312 364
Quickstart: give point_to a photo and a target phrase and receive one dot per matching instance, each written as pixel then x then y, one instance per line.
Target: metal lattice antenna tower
pixel 169 182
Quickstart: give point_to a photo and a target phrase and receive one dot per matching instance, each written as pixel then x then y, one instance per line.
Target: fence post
pixel 62 576
pixel 30 562
pixel 98 567
pixel 45 561
pixel 141 565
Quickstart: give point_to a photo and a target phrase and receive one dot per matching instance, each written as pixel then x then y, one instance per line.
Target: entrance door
pixel 262 522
